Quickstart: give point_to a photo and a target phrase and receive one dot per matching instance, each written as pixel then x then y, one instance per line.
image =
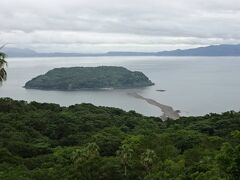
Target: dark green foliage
pixel 76 78
pixel 46 141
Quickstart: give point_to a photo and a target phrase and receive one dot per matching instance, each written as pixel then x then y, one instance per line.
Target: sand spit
pixel 168 111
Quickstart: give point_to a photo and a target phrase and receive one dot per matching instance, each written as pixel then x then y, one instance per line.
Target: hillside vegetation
pixel 46 141
pixel 77 78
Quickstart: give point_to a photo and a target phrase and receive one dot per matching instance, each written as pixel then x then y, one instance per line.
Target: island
pixel 78 78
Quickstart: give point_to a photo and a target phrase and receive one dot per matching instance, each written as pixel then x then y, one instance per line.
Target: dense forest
pixel 76 78
pixel 45 141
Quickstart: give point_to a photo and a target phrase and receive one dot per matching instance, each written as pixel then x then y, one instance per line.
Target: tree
pixel 125 154
pixel 229 160
pixel 90 152
pixel 3 63
pixel 147 159
pixel 85 161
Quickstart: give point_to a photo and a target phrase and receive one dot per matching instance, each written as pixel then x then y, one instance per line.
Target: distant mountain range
pixel 214 50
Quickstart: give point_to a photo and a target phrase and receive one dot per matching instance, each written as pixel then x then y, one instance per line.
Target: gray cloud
pixel 102 25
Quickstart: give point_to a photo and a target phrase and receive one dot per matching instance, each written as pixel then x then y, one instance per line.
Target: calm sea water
pixel 194 85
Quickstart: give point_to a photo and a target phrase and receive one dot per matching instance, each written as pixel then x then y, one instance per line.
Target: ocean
pixel 194 85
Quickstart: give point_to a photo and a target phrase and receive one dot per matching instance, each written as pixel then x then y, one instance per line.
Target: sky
pixel 118 25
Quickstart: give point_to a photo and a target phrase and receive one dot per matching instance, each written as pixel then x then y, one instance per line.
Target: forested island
pixel 47 141
pixel 77 78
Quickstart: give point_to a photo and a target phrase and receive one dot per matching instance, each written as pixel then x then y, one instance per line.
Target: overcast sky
pixel 118 25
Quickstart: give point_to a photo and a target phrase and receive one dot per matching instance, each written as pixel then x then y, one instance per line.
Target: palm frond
pixel 3 63
pixel 3 75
